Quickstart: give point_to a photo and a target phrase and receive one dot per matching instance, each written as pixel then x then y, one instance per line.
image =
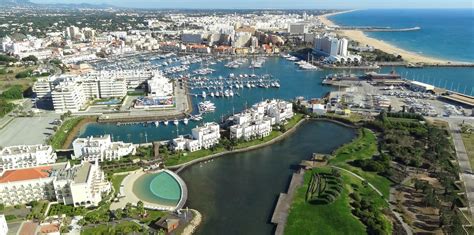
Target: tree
pixel 140 207
pixel 118 214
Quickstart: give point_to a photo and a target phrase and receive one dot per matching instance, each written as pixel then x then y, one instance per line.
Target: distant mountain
pixel 28 3
pixel 13 3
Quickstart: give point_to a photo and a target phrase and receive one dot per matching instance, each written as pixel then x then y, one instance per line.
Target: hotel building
pixel 252 130
pixel 334 49
pixel 79 185
pixel 24 156
pixel 101 148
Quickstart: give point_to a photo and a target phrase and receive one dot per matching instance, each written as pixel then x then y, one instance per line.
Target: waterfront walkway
pixel 282 209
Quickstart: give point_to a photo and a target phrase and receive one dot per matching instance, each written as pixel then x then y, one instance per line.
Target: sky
pixel 279 4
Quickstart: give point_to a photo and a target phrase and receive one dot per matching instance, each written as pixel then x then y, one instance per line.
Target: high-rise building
pixel 68 96
pixel 297 28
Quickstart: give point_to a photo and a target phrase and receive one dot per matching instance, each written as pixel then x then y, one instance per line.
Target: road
pixel 466 173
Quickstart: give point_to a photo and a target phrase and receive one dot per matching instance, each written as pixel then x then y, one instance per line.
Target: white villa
pixel 101 148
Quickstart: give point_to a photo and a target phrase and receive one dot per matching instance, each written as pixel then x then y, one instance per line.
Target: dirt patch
pixel 75 131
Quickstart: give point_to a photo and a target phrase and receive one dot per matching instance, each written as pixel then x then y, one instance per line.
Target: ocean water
pixel 445 33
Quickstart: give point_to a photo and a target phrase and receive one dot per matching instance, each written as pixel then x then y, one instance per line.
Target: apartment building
pixel 24 156
pixel 207 135
pixel 68 96
pixel 251 130
pixel 79 185
pixel 101 148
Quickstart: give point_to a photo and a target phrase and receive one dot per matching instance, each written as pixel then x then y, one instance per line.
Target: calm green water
pixel 236 194
pixel 159 188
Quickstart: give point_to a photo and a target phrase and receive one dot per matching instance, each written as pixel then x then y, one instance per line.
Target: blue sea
pixel 445 33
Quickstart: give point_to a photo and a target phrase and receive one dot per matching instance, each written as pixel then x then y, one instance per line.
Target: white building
pixel 334 49
pixel 181 144
pixel 24 156
pixel 248 131
pixel 257 122
pixel 207 135
pixel 297 28
pixel 420 86
pixel 101 148
pixel 80 185
pixel 160 86
pixel 68 96
pixel 3 225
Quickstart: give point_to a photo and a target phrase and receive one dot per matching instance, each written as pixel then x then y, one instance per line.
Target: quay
pixel 282 208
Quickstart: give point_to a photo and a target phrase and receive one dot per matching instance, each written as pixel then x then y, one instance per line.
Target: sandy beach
pixel 363 39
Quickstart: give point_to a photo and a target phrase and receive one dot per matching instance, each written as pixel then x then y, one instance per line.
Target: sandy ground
pixel 363 39
pixel 130 196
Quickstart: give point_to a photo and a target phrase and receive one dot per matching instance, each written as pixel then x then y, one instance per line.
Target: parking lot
pixel 28 130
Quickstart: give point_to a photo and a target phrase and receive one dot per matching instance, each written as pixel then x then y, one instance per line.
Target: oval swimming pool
pixel 160 188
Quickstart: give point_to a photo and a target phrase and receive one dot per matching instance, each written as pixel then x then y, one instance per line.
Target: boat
pixel 212 94
pixel 175 122
pixel 185 121
pixel 157 123
pixel 206 106
pixel 203 94
pixel 165 122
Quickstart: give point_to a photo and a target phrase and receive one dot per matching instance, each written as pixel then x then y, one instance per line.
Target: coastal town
pixel 145 121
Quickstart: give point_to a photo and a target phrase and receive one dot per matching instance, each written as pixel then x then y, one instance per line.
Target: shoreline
pixel 73 134
pixel 362 38
pixel 180 167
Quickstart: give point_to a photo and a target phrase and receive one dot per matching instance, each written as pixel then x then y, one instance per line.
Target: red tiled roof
pixel 25 174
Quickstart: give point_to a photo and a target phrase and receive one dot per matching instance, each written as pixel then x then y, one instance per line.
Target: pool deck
pixel 126 194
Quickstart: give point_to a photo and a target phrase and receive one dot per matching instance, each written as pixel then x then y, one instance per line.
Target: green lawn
pixel 58 139
pixel 468 140
pixel 333 218
pixel 363 147
pixel 124 227
pixel 116 181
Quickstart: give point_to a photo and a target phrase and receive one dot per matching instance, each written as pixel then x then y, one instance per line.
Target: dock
pixel 282 208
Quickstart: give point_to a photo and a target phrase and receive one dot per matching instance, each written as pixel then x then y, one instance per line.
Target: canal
pixel 236 194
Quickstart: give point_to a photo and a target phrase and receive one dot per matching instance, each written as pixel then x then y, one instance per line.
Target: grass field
pixel 58 139
pixel 468 140
pixel 116 181
pixel 125 227
pixel 363 147
pixel 334 218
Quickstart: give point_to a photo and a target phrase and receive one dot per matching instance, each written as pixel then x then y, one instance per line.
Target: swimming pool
pixel 160 188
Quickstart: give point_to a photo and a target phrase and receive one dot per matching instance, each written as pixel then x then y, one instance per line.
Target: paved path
pixel 465 167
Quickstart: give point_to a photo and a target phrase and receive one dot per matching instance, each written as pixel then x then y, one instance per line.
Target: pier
pixel 376 29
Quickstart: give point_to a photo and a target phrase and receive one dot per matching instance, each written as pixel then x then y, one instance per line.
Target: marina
pixel 289 82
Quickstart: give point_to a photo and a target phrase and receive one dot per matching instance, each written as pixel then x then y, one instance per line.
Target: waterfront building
pixel 207 135
pixel 101 148
pixel 334 49
pixel 24 156
pixel 252 130
pixel 3 225
pixel 181 144
pixel 79 185
pixel 420 86
pixel 103 87
pixel 241 39
pixel 160 86
pixel 68 96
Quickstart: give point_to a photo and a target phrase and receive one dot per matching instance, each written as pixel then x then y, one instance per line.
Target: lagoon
pixel 236 194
